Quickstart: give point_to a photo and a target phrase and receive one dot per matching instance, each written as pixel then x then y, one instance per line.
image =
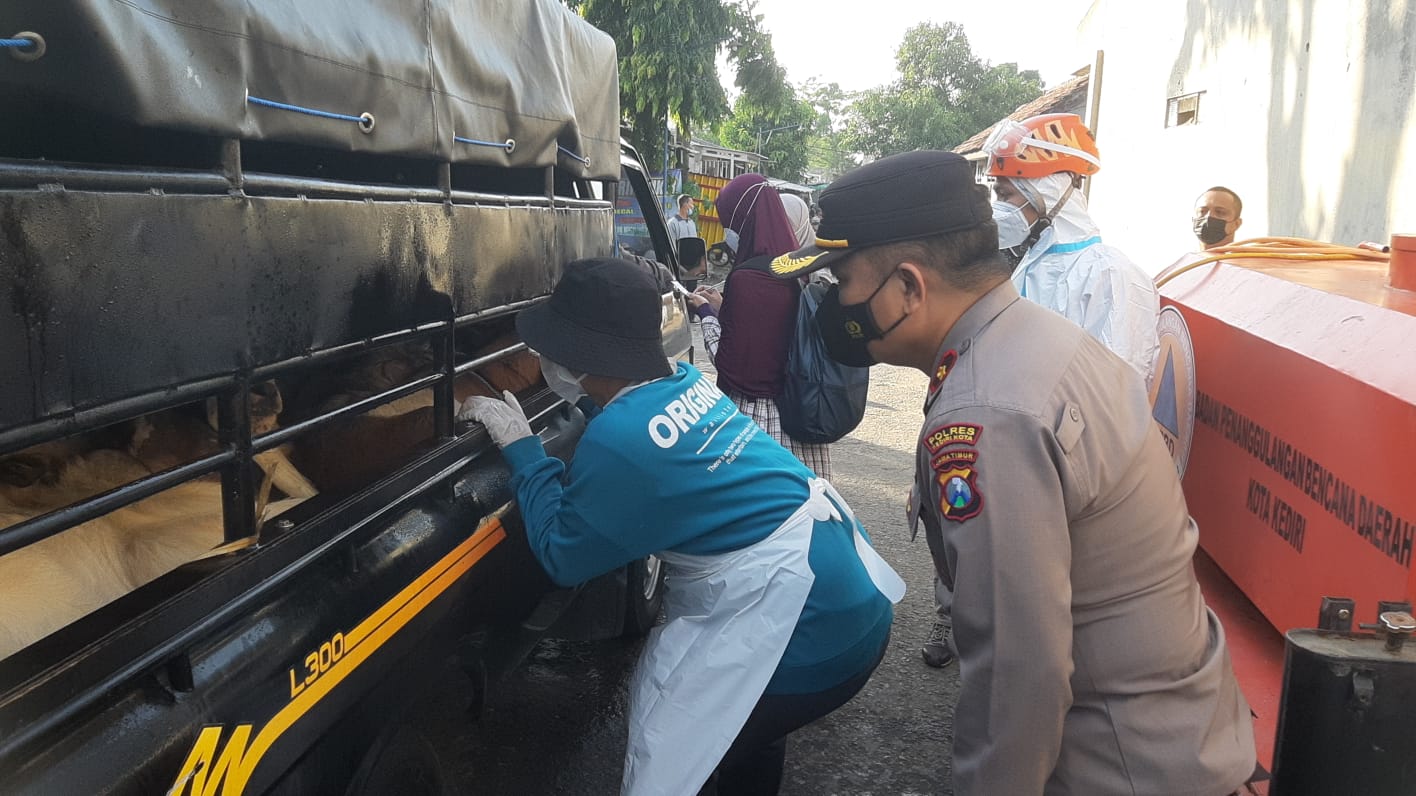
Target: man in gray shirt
pixel 681 223
pixel 1088 660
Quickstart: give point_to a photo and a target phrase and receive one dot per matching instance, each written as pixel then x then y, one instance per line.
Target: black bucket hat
pixel 901 197
pixel 604 317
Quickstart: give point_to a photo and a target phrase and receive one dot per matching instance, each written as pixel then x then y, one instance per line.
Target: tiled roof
pixel 1069 96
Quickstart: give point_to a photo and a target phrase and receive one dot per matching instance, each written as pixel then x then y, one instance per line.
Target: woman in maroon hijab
pixel 748 328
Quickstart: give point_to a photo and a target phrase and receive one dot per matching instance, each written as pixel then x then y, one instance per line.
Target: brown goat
pixel 351 453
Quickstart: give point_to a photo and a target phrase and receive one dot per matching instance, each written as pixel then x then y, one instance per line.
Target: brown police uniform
pixel 1089 662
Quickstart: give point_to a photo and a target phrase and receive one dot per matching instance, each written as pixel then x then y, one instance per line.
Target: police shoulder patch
pixel 955 455
pixel 951 434
pixel 956 474
pixel 941 372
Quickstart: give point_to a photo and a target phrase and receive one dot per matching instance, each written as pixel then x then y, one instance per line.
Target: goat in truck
pixel 46 585
pixel 54 581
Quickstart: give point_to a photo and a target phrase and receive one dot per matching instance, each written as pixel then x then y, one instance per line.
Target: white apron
pixel 730 617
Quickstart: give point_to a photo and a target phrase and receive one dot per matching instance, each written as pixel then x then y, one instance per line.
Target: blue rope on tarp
pixel 584 160
pixel 509 144
pixel 365 121
pixel 25 46
pixel 344 117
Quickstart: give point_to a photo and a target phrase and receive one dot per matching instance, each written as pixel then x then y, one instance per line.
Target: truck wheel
pixel 402 761
pixel 644 583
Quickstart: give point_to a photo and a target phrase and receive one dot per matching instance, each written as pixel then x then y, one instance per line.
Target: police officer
pixel 1089 663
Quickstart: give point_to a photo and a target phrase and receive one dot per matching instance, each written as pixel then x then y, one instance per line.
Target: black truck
pixel 209 214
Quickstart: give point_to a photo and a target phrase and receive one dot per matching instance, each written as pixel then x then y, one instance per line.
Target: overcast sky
pixel 853 43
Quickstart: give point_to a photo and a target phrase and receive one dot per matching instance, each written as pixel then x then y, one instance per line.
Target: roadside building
pixel 711 167
pixel 1305 108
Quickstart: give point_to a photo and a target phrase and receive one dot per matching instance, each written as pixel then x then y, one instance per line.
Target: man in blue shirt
pixel 778 609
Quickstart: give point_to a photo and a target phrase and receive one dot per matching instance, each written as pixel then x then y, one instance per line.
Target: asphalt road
pixel 558 725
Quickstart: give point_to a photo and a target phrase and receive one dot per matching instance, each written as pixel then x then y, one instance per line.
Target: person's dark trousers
pixel 753 764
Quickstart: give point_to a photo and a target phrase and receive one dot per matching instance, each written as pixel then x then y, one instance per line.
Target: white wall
pixel 1307 114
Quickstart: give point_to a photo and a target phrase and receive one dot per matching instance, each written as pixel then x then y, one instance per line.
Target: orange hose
pixel 1301 244
pixel 1276 248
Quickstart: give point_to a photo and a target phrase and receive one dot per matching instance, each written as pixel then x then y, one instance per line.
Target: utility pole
pixel 664 186
pixel 769 132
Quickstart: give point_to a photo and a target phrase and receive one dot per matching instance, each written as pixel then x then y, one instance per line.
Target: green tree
pixel 666 54
pixel 768 117
pixel 944 95
pixel 667 61
pixel 779 133
pixel 828 154
pixel 758 74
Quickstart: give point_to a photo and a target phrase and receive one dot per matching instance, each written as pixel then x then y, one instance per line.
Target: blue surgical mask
pixel 731 238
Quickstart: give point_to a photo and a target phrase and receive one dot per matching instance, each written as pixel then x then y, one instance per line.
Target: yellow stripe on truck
pixel 213 770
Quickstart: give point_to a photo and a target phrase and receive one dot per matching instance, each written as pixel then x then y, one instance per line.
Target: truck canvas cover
pixel 123 280
pixel 428 72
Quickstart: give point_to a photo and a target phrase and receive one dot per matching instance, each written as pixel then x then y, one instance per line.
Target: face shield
pixel 1012 139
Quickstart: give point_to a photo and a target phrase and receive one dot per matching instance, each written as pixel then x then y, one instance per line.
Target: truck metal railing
pixel 28 175
pixel 59 520
pixel 234 428
pixel 162 645
pixel 237 444
pixel 131 408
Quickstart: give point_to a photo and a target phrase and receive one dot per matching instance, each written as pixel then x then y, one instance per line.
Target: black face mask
pixel 1210 230
pixel 846 329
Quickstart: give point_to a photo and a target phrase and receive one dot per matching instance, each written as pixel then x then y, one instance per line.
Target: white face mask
pixel 731 238
pixel 1013 227
pixel 561 381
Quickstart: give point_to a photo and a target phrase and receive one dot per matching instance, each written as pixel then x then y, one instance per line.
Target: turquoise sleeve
pixel 567 527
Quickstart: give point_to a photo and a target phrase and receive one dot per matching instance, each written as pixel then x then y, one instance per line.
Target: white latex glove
pixel 504 419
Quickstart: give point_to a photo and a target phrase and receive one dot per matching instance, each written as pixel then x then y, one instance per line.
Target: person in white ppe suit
pixel 1060 259
pixel 1044 225
pixel 778 608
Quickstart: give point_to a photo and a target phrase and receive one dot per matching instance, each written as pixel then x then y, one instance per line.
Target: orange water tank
pixel 1402 274
pixel 1288 392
